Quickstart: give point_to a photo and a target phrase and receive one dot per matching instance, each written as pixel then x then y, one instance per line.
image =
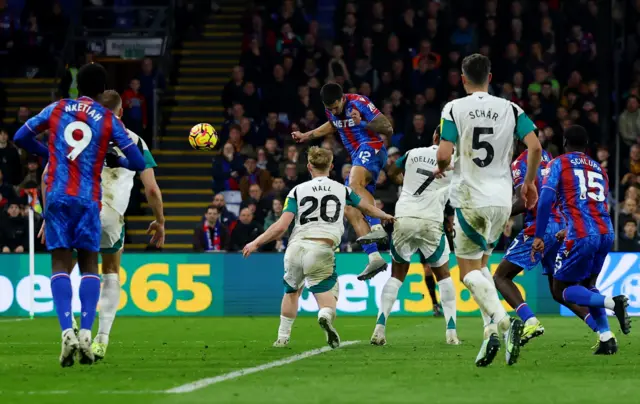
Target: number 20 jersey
pixel 582 188
pixel 482 127
pixel 79 134
pixel 422 195
pixel 319 208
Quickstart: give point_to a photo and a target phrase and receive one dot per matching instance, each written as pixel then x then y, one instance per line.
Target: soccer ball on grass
pixel 203 137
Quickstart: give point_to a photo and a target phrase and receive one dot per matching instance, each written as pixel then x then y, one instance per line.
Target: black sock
pixel 431 285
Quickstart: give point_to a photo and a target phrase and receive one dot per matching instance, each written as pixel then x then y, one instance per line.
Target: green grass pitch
pixel 150 355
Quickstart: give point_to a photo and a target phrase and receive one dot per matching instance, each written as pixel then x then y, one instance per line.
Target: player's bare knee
pixel 399 270
pixel 441 272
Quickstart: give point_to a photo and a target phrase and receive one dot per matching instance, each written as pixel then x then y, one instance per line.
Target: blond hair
pixel 320 159
pixel 111 100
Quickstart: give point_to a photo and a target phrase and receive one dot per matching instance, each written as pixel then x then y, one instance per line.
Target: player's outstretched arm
pixel 154 198
pixel 443 155
pixel 274 232
pixel 370 210
pixel 529 192
pixel 321 131
pixel 547 199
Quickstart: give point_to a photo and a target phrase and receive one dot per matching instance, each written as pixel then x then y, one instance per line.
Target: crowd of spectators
pixel 32 37
pixel 405 56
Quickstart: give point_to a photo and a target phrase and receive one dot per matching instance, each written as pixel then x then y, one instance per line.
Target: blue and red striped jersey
pixel 79 134
pixel 518 172
pixel 353 135
pixel 582 188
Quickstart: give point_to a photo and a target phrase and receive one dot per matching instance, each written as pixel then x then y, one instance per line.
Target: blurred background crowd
pixel 404 55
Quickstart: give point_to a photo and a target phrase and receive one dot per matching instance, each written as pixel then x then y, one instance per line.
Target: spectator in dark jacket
pixel 211 235
pixel 13 230
pixel 226 217
pixel 227 170
pixel 245 231
pixel 9 160
pixel 254 175
pixel 233 90
pixel 628 239
pixel 418 136
pixel 7 193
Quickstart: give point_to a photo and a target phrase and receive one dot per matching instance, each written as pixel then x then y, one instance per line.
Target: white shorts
pixel 478 230
pixel 311 264
pixel 112 230
pixel 411 234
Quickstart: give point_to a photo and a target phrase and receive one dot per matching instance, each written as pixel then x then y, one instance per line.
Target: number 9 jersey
pixel 482 127
pixel 319 208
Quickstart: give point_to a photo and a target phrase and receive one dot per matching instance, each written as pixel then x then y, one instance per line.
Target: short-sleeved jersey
pixel 518 172
pixel 319 208
pixel 79 134
pixel 422 195
pixel 482 127
pixel 582 188
pixel 353 135
pixel 117 182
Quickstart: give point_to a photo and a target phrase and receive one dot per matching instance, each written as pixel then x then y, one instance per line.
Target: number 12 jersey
pixel 482 128
pixel 319 208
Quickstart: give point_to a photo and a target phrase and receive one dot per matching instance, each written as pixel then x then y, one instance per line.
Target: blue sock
pixel 599 316
pixel 370 248
pixel 62 295
pixel 591 322
pixel 583 297
pixel 372 220
pixel 89 296
pixel 524 312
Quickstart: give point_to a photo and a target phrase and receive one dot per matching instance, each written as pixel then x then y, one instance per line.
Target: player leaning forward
pixel 318 209
pixel 419 218
pixel 117 183
pixel 482 127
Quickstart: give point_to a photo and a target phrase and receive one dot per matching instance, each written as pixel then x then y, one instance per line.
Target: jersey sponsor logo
pixel 545 171
pixel 343 123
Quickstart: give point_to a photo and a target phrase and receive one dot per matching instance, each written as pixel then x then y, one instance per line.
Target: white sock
pixel 108 303
pixel 609 303
pixel 531 321
pixel 326 313
pixel 485 294
pixel 448 301
pixel 284 331
pixel 487 274
pixel 606 336
pixel 388 298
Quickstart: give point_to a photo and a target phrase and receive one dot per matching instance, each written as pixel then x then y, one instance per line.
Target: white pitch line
pixel 12 320
pixel 199 384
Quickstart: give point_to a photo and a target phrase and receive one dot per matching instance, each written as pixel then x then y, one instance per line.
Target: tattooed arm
pixel 321 131
pixel 380 124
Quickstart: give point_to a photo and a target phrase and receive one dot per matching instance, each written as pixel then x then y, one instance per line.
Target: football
pixel 203 137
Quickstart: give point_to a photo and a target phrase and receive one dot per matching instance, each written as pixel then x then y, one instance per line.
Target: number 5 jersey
pixel 482 128
pixel 319 208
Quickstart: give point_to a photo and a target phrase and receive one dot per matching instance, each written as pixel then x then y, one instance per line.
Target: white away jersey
pixel 319 208
pixel 482 128
pixel 423 196
pixel 117 182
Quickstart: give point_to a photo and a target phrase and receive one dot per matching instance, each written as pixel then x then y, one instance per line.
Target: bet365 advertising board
pixel 227 284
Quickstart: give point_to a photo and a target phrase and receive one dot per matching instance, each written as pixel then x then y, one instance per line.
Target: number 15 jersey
pixel 423 196
pixel 319 208
pixel 79 134
pixel 582 188
pixel 482 127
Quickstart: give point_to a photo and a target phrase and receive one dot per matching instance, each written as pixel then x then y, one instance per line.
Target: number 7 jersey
pixel 582 188
pixel 423 196
pixel 482 128
pixel 319 208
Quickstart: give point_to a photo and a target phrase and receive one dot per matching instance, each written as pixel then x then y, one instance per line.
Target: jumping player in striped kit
pixel 581 187
pixel 518 256
pixel 359 124
pixel 79 134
